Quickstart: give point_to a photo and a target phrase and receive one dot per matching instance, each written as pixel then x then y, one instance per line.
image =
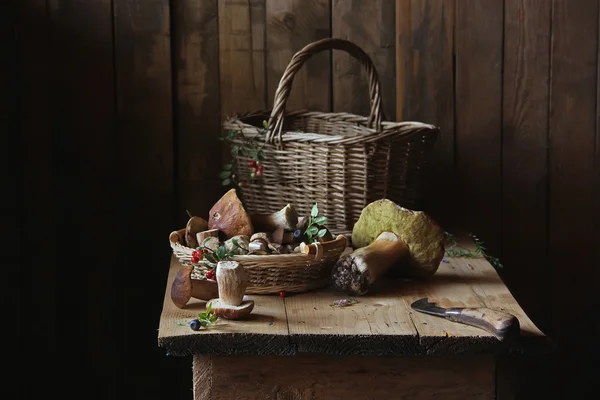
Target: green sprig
pixel 454 250
pixel 314 228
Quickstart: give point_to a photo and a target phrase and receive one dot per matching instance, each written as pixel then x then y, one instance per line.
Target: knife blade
pixel 504 326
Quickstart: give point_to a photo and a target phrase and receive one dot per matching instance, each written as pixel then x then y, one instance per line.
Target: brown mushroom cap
pixel 229 216
pixel 181 288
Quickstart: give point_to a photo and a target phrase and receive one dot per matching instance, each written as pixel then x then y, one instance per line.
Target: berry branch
pixel 454 250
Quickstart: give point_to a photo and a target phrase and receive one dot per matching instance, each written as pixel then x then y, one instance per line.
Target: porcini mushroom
pixel 202 236
pixel 281 236
pixel 184 288
pixel 232 281
pixel 355 272
pixel 193 226
pixel 286 218
pixel 229 216
pixel 242 245
pixel 421 235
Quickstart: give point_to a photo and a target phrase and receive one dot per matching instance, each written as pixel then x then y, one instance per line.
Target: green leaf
pixel 235 242
pixel 225 182
pixel 265 124
pixel 227 166
pixel 205 241
pixel 321 220
pixel 235 150
pixel 322 232
pixel 225 174
pixel 315 211
pixel 210 258
pixel 313 230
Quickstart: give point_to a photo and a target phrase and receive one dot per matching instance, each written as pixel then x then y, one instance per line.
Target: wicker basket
pixel 340 161
pixel 267 274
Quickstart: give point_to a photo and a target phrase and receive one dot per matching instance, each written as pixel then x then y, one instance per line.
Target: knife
pixel 503 325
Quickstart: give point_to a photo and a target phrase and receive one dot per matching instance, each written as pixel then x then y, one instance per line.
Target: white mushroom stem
pixel 286 218
pixel 355 272
pixel 201 236
pixel 232 281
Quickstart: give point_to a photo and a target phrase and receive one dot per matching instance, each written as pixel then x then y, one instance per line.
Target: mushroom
pixel 202 236
pixel 258 246
pixel 229 216
pixel 286 218
pixel 193 226
pixel 423 237
pixel 211 243
pixel 314 248
pixel 281 236
pixel 242 245
pixel 232 281
pixel 302 223
pixel 261 235
pixel 184 287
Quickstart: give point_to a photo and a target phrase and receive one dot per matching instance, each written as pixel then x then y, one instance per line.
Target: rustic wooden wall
pixel 113 109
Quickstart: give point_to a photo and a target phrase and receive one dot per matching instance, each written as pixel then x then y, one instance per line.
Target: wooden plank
pixel 241 56
pixel 144 139
pixel 305 377
pixel 202 377
pixel 38 201
pixel 425 90
pixel 478 43
pixel 264 332
pixel 291 25
pixel 83 113
pixel 371 26
pixel 197 111
pixel 572 234
pixel 524 153
pixel 469 282
pixel 378 324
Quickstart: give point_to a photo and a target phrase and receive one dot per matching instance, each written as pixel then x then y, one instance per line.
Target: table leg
pixel 318 377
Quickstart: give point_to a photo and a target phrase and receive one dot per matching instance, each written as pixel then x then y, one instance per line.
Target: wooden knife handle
pixel 500 324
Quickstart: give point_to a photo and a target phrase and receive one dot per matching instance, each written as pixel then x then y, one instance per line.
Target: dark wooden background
pixel 110 120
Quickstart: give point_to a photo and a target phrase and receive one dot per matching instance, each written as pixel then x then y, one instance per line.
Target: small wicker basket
pixel 341 161
pixel 268 274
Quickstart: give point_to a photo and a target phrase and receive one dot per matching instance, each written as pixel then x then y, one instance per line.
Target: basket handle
pixel 376 115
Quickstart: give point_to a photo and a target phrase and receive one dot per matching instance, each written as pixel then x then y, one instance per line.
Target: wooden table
pixel 300 347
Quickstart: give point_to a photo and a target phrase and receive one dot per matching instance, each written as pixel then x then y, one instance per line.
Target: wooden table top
pixel 381 323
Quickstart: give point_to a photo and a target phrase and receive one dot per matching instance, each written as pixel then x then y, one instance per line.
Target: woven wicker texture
pixel 341 161
pixel 273 273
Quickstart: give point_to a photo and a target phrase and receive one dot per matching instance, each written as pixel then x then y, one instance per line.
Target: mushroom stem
pixel 232 281
pixel 184 288
pixel 355 272
pixel 281 236
pixel 201 236
pixel 286 218
pixel 204 289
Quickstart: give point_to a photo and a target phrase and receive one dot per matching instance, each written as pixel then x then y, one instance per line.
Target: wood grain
pixel 144 150
pixel 478 36
pixel 378 324
pixel 84 112
pixel 371 26
pixel 202 377
pixel 524 153
pixel 425 89
pixel 264 332
pixel 241 56
pixel 291 25
pixel 572 151
pixel 197 112
pixel 306 377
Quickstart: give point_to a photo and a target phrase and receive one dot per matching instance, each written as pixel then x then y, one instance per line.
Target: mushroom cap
pixel 229 216
pixel 193 226
pixel 231 312
pixel 181 288
pixel 423 237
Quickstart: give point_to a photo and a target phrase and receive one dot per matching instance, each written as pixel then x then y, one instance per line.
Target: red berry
pixel 243 184
pixel 209 274
pixel 195 259
pixel 259 172
pixel 261 167
pixel 204 251
pixel 282 293
pixel 253 163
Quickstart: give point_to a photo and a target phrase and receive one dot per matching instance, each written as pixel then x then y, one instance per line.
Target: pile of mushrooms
pixel 230 226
